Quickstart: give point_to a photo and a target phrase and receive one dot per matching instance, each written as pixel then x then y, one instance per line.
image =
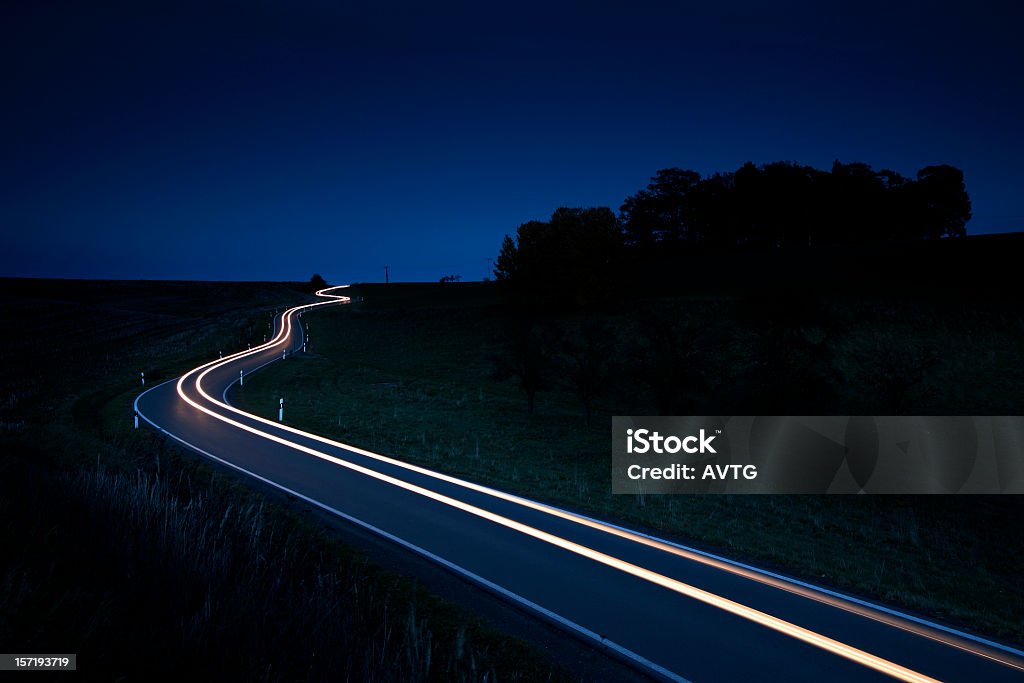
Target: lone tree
pixel 529 359
pixel 585 354
pixel 317 282
pixel 942 202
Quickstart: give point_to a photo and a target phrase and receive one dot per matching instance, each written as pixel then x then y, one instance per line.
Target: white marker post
pixel 280 411
pixel 284 353
pixel 220 354
pixel 143 376
pixel 241 379
pixel 136 419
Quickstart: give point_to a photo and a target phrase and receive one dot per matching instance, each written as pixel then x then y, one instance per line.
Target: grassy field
pixel 141 558
pixel 410 371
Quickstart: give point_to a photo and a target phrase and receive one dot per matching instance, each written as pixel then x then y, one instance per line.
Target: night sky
pixel 271 140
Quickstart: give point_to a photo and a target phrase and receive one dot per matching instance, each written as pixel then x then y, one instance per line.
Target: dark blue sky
pixel 270 140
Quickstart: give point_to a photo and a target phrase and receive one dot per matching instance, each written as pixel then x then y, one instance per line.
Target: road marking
pixel 806 635
pixel 582 631
pixel 937 632
pixel 790 629
pixel 747 571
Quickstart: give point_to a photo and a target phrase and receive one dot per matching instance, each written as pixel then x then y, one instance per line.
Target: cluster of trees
pixel 541 357
pixel 715 357
pixel 572 257
pixel 785 203
pixel 576 255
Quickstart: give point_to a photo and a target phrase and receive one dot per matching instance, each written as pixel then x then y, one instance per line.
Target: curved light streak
pixel 776 581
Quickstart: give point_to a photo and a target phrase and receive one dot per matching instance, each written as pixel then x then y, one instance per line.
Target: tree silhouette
pixel 506 267
pixel 669 360
pixel 786 204
pixel 943 206
pixel 317 282
pixel 663 213
pixel 569 260
pixel 528 358
pixel 585 354
pixel 580 257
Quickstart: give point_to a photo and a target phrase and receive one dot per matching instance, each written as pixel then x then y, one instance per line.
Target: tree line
pixel 800 354
pixel 575 254
pixel 760 219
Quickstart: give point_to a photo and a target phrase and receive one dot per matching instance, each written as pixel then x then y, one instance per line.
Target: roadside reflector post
pixel 241 378
pixel 284 354
pixel 136 419
pixel 142 375
pixel 280 411
pixel 220 354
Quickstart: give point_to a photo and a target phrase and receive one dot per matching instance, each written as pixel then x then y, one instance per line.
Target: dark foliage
pixel 587 258
pixel 784 203
pixel 585 355
pixel 317 282
pixel 528 357
pixel 571 258
pixel 126 549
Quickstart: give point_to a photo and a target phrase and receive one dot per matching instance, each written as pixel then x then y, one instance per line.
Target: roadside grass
pixel 407 372
pixel 173 573
pixel 142 558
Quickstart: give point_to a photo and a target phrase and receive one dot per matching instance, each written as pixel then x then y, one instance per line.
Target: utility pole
pixel 387 276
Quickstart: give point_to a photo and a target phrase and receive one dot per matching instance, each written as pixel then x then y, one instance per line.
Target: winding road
pixel 672 611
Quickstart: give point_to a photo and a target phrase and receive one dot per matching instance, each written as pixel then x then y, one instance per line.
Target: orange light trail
pixel 767 620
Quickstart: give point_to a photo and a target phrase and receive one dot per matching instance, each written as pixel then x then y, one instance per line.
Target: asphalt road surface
pixel 671 611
